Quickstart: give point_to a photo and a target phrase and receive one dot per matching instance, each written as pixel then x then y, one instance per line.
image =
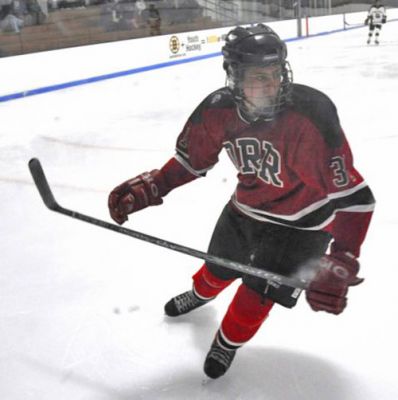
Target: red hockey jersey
pixel 296 170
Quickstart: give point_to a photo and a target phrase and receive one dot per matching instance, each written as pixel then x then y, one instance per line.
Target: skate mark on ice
pixel 98 147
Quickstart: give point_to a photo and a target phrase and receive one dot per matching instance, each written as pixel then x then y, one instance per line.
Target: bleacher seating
pixel 71 27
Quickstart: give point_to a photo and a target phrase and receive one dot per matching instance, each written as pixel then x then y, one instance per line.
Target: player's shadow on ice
pixel 258 372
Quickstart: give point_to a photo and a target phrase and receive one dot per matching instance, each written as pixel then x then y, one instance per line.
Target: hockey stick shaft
pixel 49 200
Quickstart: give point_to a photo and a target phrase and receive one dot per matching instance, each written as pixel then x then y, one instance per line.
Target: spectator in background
pixel 129 15
pixel 117 15
pixel 37 11
pixel 140 7
pixel 154 21
pixel 19 8
pixel 122 16
pixel 106 19
pixel 9 22
pixel 43 5
pixel 119 21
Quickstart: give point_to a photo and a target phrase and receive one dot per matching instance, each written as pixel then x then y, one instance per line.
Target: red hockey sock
pixel 246 313
pixel 206 285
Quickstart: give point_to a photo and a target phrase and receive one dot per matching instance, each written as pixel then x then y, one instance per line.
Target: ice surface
pixel 81 310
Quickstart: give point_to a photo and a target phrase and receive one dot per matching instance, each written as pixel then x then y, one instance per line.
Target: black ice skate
pixel 184 303
pixel 218 359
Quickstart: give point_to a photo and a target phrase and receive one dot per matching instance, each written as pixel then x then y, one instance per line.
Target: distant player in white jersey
pixel 376 17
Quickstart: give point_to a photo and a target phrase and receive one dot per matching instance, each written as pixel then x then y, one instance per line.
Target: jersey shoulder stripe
pixel 320 214
pixel 182 159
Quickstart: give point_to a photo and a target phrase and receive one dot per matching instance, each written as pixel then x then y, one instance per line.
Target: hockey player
pixel 376 17
pixel 297 190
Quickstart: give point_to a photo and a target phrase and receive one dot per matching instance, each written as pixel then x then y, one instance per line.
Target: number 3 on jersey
pixel 339 171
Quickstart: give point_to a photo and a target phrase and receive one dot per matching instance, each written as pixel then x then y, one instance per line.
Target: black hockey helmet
pixel 259 46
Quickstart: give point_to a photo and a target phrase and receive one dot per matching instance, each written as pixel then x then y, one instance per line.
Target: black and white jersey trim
pixel 319 214
pixel 179 156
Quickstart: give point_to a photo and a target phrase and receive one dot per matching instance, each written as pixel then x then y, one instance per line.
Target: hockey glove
pixel 135 194
pixel 366 21
pixel 384 20
pixel 328 290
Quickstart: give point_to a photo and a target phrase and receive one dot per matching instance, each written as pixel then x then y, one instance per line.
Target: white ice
pixel 81 308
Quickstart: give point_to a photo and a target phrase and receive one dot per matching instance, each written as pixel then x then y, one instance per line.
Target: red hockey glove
pixel 135 194
pixel 328 289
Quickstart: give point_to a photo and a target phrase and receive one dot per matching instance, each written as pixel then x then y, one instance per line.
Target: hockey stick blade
pixel 49 200
pixel 42 185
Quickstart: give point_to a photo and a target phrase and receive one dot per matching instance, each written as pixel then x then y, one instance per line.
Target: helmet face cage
pixel 256 49
pixel 265 107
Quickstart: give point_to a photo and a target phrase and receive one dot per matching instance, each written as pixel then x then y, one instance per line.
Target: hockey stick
pixel 49 200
